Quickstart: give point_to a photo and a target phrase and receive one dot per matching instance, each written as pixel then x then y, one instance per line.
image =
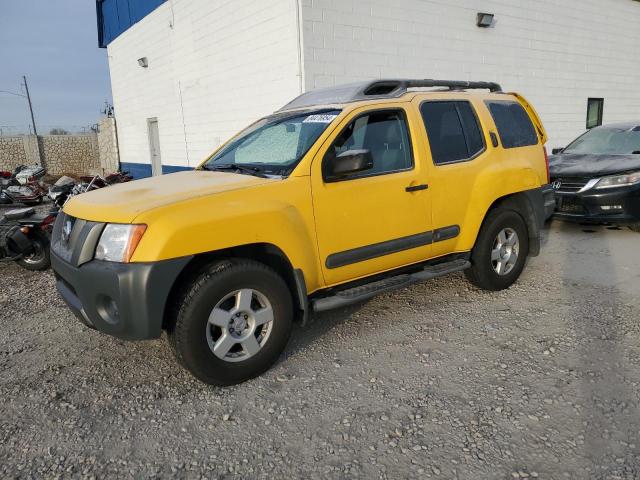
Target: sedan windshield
pixel 607 141
pixel 273 145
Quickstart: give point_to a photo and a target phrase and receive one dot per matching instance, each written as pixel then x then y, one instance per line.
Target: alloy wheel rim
pixel 239 325
pixel 505 251
pixel 37 255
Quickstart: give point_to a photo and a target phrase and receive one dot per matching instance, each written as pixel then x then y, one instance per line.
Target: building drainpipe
pixel 298 6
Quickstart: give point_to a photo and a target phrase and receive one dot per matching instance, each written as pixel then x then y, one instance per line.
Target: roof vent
pixel 382 88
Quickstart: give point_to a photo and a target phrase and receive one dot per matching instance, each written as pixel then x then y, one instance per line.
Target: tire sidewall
pixel 481 257
pixel 191 327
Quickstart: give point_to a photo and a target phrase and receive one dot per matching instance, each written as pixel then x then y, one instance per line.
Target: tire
pixel 40 258
pixel 635 227
pixel 194 338
pixel 485 267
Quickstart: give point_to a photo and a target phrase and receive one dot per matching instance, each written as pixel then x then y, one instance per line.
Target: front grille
pixel 569 184
pixel 60 242
pixel 570 205
pixel 73 239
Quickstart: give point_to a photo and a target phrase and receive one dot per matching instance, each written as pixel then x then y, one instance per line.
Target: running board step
pixel 365 292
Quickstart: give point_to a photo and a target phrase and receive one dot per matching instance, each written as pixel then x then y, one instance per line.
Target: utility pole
pixel 33 121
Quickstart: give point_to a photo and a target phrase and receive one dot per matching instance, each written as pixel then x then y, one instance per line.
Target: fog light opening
pixel 611 207
pixel 108 309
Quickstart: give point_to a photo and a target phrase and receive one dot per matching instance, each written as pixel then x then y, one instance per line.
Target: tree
pixel 58 131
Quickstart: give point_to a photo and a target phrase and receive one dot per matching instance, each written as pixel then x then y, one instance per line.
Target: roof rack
pixel 388 88
pixel 403 85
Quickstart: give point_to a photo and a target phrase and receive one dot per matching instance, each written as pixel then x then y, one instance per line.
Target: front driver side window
pixel 384 133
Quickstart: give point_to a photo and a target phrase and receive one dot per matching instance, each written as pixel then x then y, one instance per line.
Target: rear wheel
pixel 500 251
pixel 232 322
pixel 38 258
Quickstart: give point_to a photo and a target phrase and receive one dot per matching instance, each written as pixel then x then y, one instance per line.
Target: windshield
pixel 607 141
pixel 273 145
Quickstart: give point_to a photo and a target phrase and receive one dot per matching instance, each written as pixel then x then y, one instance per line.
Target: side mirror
pixel 555 151
pixel 347 163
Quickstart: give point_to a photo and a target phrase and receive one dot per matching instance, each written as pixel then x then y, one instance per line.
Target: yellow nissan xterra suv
pixel 344 193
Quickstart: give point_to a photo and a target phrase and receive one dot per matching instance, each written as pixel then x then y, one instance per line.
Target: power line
pixel 28 97
pixel 13 93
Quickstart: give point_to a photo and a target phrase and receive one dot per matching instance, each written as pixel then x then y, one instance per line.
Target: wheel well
pixel 520 203
pixel 265 253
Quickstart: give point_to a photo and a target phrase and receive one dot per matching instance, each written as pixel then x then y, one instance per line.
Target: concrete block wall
pixel 70 154
pixel 59 154
pixel 16 151
pixel 213 67
pixel 556 53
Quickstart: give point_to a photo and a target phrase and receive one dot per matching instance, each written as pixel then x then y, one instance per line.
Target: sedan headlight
pixel 118 242
pixel 619 180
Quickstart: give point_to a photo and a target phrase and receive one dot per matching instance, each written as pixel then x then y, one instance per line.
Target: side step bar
pixel 365 292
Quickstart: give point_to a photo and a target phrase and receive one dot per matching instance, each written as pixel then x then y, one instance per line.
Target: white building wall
pixel 214 66
pixel 557 53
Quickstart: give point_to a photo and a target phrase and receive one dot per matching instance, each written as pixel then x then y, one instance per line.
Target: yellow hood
pixel 123 203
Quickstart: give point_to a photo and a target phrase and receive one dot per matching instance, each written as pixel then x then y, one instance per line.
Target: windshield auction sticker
pixel 319 118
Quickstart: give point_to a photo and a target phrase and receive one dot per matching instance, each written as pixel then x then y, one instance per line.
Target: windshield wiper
pixel 255 171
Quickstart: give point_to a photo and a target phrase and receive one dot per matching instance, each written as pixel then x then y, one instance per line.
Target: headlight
pixel 619 180
pixel 118 242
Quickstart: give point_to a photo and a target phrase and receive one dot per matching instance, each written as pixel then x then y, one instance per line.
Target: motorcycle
pixel 66 187
pixel 59 192
pixel 22 186
pixel 25 238
pixel 29 194
pixel 110 179
pixel 25 175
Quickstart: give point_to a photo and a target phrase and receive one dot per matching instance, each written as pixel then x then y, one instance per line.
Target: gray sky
pixel 55 44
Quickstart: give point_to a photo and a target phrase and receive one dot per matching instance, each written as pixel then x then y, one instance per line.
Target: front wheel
pixel 635 227
pixel 500 251
pixel 232 322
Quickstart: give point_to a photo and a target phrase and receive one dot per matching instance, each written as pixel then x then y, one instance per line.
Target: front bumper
pixel 126 301
pixel 616 205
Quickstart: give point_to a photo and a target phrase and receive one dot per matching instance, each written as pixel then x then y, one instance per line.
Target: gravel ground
pixel 438 380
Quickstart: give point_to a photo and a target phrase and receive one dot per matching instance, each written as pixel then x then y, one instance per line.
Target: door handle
pixel 416 188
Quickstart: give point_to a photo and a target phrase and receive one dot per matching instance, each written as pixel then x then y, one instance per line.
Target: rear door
pixel 457 147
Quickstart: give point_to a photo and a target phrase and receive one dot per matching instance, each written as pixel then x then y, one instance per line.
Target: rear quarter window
pixel 513 123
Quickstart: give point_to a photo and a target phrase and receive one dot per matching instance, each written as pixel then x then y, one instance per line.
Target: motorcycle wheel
pixel 39 258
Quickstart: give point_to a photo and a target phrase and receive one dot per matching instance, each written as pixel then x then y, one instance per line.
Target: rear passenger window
pixel 513 123
pixel 453 131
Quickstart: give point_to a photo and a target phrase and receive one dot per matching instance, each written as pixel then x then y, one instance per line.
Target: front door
pixel 378 219
pixel 154 146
